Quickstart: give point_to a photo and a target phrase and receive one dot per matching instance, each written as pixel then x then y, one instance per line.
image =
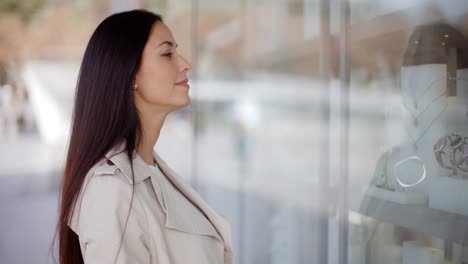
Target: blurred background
pixel 294 105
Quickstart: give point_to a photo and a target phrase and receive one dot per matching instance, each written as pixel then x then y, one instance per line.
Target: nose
pixel 185 65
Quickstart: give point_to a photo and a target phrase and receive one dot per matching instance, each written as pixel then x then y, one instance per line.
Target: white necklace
pixel 415 117
pixel 416 140
pixel 414 102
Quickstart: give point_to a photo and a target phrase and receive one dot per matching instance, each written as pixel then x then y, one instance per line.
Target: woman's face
pixel 161 80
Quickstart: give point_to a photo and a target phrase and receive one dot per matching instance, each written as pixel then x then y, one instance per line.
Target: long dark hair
pixel 104 113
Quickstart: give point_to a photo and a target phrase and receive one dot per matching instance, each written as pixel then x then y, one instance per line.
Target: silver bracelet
pixel 451 152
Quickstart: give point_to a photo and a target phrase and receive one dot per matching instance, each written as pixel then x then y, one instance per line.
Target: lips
pixel 183 83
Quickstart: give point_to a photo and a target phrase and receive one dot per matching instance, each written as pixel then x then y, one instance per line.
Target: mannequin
pixel 434 89
pixel 410 167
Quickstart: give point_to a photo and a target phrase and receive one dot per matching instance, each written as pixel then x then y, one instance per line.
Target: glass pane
pixel 408 132
pixel 258 117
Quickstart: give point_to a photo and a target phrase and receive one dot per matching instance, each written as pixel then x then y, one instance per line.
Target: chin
pixel 188 100
pixel 182 104
pixel 187 103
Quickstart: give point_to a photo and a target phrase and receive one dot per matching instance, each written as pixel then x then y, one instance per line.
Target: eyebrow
pixel 168 43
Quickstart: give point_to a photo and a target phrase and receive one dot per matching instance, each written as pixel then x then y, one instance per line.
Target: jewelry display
pixel 421 212
pixel 451 152
pixel 430 110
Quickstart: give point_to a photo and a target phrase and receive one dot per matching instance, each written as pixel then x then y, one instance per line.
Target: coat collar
pixel 118 156
pixel 142 171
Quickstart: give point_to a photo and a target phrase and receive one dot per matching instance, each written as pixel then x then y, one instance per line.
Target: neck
pixel 151 125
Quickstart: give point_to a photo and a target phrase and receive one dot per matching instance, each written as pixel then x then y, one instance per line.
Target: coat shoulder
pixel 104 179
pixel 104 167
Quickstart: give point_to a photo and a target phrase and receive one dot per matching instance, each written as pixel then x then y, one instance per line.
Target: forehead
pixel 160 33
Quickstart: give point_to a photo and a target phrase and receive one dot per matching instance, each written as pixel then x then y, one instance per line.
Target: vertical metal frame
pixel 242 201
pixel 343 207
pixel 323 183
pixel 194 75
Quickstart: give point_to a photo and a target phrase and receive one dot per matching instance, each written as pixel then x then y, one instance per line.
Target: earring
pixel 135 86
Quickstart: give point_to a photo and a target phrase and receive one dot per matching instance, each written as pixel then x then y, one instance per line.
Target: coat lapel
pixel 221 224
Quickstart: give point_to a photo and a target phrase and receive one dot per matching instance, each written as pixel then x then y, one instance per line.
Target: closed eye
pixel 168 54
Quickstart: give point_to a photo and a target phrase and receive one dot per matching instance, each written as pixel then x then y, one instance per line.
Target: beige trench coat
pixel 164 226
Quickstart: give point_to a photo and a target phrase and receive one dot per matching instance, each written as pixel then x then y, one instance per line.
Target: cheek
pixel 158 78
pixel 160 72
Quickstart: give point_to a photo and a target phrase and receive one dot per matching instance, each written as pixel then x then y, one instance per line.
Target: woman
pixel 120 203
